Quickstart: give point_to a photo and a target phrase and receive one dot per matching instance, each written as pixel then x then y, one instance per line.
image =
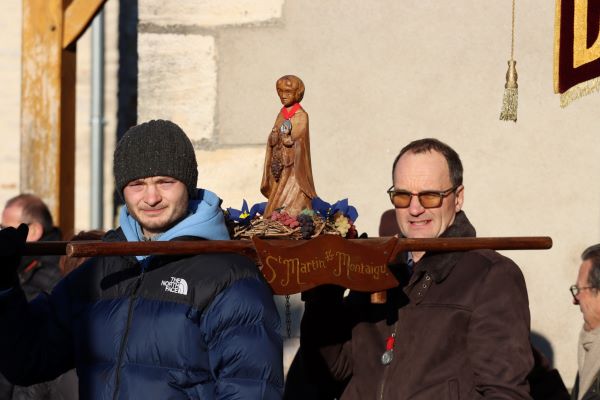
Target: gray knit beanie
pixel 155 148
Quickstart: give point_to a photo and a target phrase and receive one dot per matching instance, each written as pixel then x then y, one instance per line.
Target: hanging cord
pixel 512 37
pixel 510 99
pixel 288 317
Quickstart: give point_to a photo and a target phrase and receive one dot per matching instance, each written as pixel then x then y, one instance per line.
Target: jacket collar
pixel 440 264
pixel 147 263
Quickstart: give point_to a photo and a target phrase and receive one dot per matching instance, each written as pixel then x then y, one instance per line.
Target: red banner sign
pixel 297 265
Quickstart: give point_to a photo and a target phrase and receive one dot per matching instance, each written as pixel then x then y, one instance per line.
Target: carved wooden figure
pixel 287 179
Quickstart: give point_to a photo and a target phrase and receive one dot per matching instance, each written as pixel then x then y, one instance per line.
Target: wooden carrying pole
pixel 293 266
pixel 96 248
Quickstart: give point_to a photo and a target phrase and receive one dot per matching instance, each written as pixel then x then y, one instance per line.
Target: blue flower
pixel 245 215
pixel 327 210
pixel 258 208
pixel 321 207
pixel 343 207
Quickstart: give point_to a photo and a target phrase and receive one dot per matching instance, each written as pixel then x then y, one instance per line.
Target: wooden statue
pixel 287 176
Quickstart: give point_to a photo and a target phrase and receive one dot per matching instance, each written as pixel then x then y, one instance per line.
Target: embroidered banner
pixel 576 49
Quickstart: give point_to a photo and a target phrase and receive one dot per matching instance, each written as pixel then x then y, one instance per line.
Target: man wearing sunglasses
pixel 457 326
pixel 586 296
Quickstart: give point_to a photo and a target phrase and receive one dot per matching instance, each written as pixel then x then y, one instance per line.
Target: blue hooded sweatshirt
pixel 193 327
pixel 205 220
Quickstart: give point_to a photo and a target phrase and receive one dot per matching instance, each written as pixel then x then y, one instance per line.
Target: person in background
pixel 68 264
pixel 585 295
pixel 37 274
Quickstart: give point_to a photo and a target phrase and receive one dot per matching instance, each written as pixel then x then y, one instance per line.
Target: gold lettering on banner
pixel 268 262
pixel 581 53
pixel 293 271
pixel 346 264
pixel 296 266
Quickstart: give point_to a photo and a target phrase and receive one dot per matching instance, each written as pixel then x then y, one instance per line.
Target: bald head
pixel 31 210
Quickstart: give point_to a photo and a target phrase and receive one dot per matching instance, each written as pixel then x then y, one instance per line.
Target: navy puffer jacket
pixel 196 327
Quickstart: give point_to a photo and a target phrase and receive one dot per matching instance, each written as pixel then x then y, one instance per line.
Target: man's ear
pixel 459 198
pixel 36 231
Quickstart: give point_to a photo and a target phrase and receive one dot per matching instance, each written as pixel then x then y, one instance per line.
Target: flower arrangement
pixel 324 218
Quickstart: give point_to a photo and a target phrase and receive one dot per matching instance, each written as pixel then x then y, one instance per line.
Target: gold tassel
pixel 510 100
pixel 579 90
pixel 511 89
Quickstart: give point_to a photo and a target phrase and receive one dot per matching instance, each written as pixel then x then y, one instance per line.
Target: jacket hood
pixel 204 220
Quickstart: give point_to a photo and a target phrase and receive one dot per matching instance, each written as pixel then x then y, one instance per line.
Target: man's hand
pixel 325 294
pixel 12 242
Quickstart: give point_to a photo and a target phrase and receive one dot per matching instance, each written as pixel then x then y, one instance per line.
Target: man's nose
pixel 153 196
pixel 415 208
pixel 575 300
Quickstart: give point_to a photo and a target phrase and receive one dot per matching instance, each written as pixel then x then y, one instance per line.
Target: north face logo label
pixel 175 285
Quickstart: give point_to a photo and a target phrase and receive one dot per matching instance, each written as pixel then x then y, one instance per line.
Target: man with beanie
pixel 149 327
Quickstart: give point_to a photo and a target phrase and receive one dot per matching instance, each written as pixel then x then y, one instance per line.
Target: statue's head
pixel 290 90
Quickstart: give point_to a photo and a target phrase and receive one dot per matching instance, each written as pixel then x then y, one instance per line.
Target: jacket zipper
pixel 386 367
pixel 132 299
pixel 385 373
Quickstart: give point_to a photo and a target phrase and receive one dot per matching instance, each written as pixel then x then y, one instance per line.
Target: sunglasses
pixel 428 198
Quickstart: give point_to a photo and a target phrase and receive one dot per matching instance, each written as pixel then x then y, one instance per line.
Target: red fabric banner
pixel 576 49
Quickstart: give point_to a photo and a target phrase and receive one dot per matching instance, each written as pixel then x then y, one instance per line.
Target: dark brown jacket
pixel 461 324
